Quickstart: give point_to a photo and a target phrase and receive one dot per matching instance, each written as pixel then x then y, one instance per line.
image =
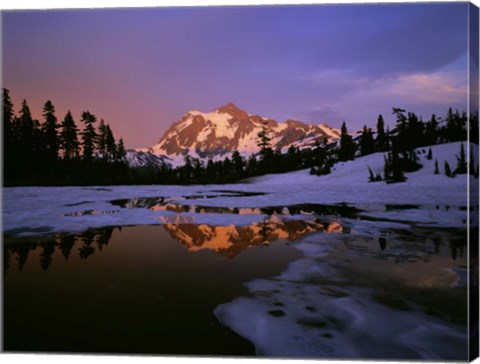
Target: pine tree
pixel 347 147
pixel 381 141
pixel 461 162
pixel 7 116
pixel 448 171
pixel 26 129
pixel 110 144
pixel 238 164
pixel 9 134
pixel 367 144
pixel 121 151
pixel 211 172
pixel 102 139
pixel 471 165
pixel 227 169
pixel 89 135
pixel 431 131
pixel 187 169
pixel 474 132
pixel 68 137
pixel 263 142
pixel 429 155
pixel 252 165
pixel 437 171
pixel 25 144
pixel 392 169
pixel 50 133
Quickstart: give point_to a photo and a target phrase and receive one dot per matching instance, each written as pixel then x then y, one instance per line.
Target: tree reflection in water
pixel 227 241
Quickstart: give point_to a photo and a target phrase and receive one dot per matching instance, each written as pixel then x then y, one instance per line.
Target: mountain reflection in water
pixel 227 241
pixel 231 240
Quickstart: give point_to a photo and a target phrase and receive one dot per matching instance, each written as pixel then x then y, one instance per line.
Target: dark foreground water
pixel 130 290
pixel 155 289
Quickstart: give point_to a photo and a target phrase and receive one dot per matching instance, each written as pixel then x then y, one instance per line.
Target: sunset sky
pixel 142 69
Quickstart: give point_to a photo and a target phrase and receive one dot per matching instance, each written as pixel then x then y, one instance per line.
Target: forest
pixel 53 152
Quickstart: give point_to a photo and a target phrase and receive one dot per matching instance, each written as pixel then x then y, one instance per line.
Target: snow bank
pixel 441 199
pixel 313 309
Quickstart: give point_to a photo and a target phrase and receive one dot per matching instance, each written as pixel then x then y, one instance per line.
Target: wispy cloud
pixel 359 98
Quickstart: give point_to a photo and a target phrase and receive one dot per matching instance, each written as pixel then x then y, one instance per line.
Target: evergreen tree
pixel 381 141
pixel 437 171
pixel 455 128
pixel 26 128
pixel 367 143
pixel 447 169
pixel 187 169
pixel 110 144
pixel 392 169
pixel 238 164
pixel 89 135
pixel 102 139
pixel 9 135
pixel 293 159
pixel 7 117
pixel 50 127
pixel 347 147
pixel 68 137
pixel 429 155
pixel 263 142
pixel 252 165
pixel 121 151
pixel 431 131
pixel 461 162
pixel 474 133
pixel 263 137
pixel 211 172
pixel 471 165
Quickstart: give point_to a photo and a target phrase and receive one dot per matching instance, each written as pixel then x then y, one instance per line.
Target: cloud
pixel 359 98
pixel 425 88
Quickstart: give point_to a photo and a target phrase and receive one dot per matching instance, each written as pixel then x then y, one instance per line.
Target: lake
pixel 322 281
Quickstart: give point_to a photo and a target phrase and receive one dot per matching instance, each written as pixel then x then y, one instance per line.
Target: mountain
pixel 231 240
pixel 138 159
pixel 228 128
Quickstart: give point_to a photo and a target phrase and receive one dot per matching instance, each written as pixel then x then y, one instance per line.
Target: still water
pixel 156 289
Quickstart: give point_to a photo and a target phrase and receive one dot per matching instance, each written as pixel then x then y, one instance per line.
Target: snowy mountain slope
pixel 228 128
pixel 138 159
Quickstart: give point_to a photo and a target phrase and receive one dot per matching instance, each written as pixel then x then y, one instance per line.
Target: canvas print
pixel 242 181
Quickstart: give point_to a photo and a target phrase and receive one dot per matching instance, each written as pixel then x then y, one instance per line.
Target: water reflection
pixel 231 240
pixel 21 249
pixel 227 241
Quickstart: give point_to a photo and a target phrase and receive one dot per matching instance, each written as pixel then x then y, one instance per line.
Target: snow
pixel 220 121
pixel 441 200
pixel 331 132
pixel 142 159
pixel 310 309
pixel 313 309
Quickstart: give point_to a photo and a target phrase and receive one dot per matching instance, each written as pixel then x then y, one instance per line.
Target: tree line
pixel 410 132
pixel 50 152
pixel 56 152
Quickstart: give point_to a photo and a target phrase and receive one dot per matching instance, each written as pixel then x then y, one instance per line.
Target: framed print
pixel 258 181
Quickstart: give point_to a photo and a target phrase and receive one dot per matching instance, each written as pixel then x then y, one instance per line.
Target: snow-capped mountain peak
pixel 218 133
